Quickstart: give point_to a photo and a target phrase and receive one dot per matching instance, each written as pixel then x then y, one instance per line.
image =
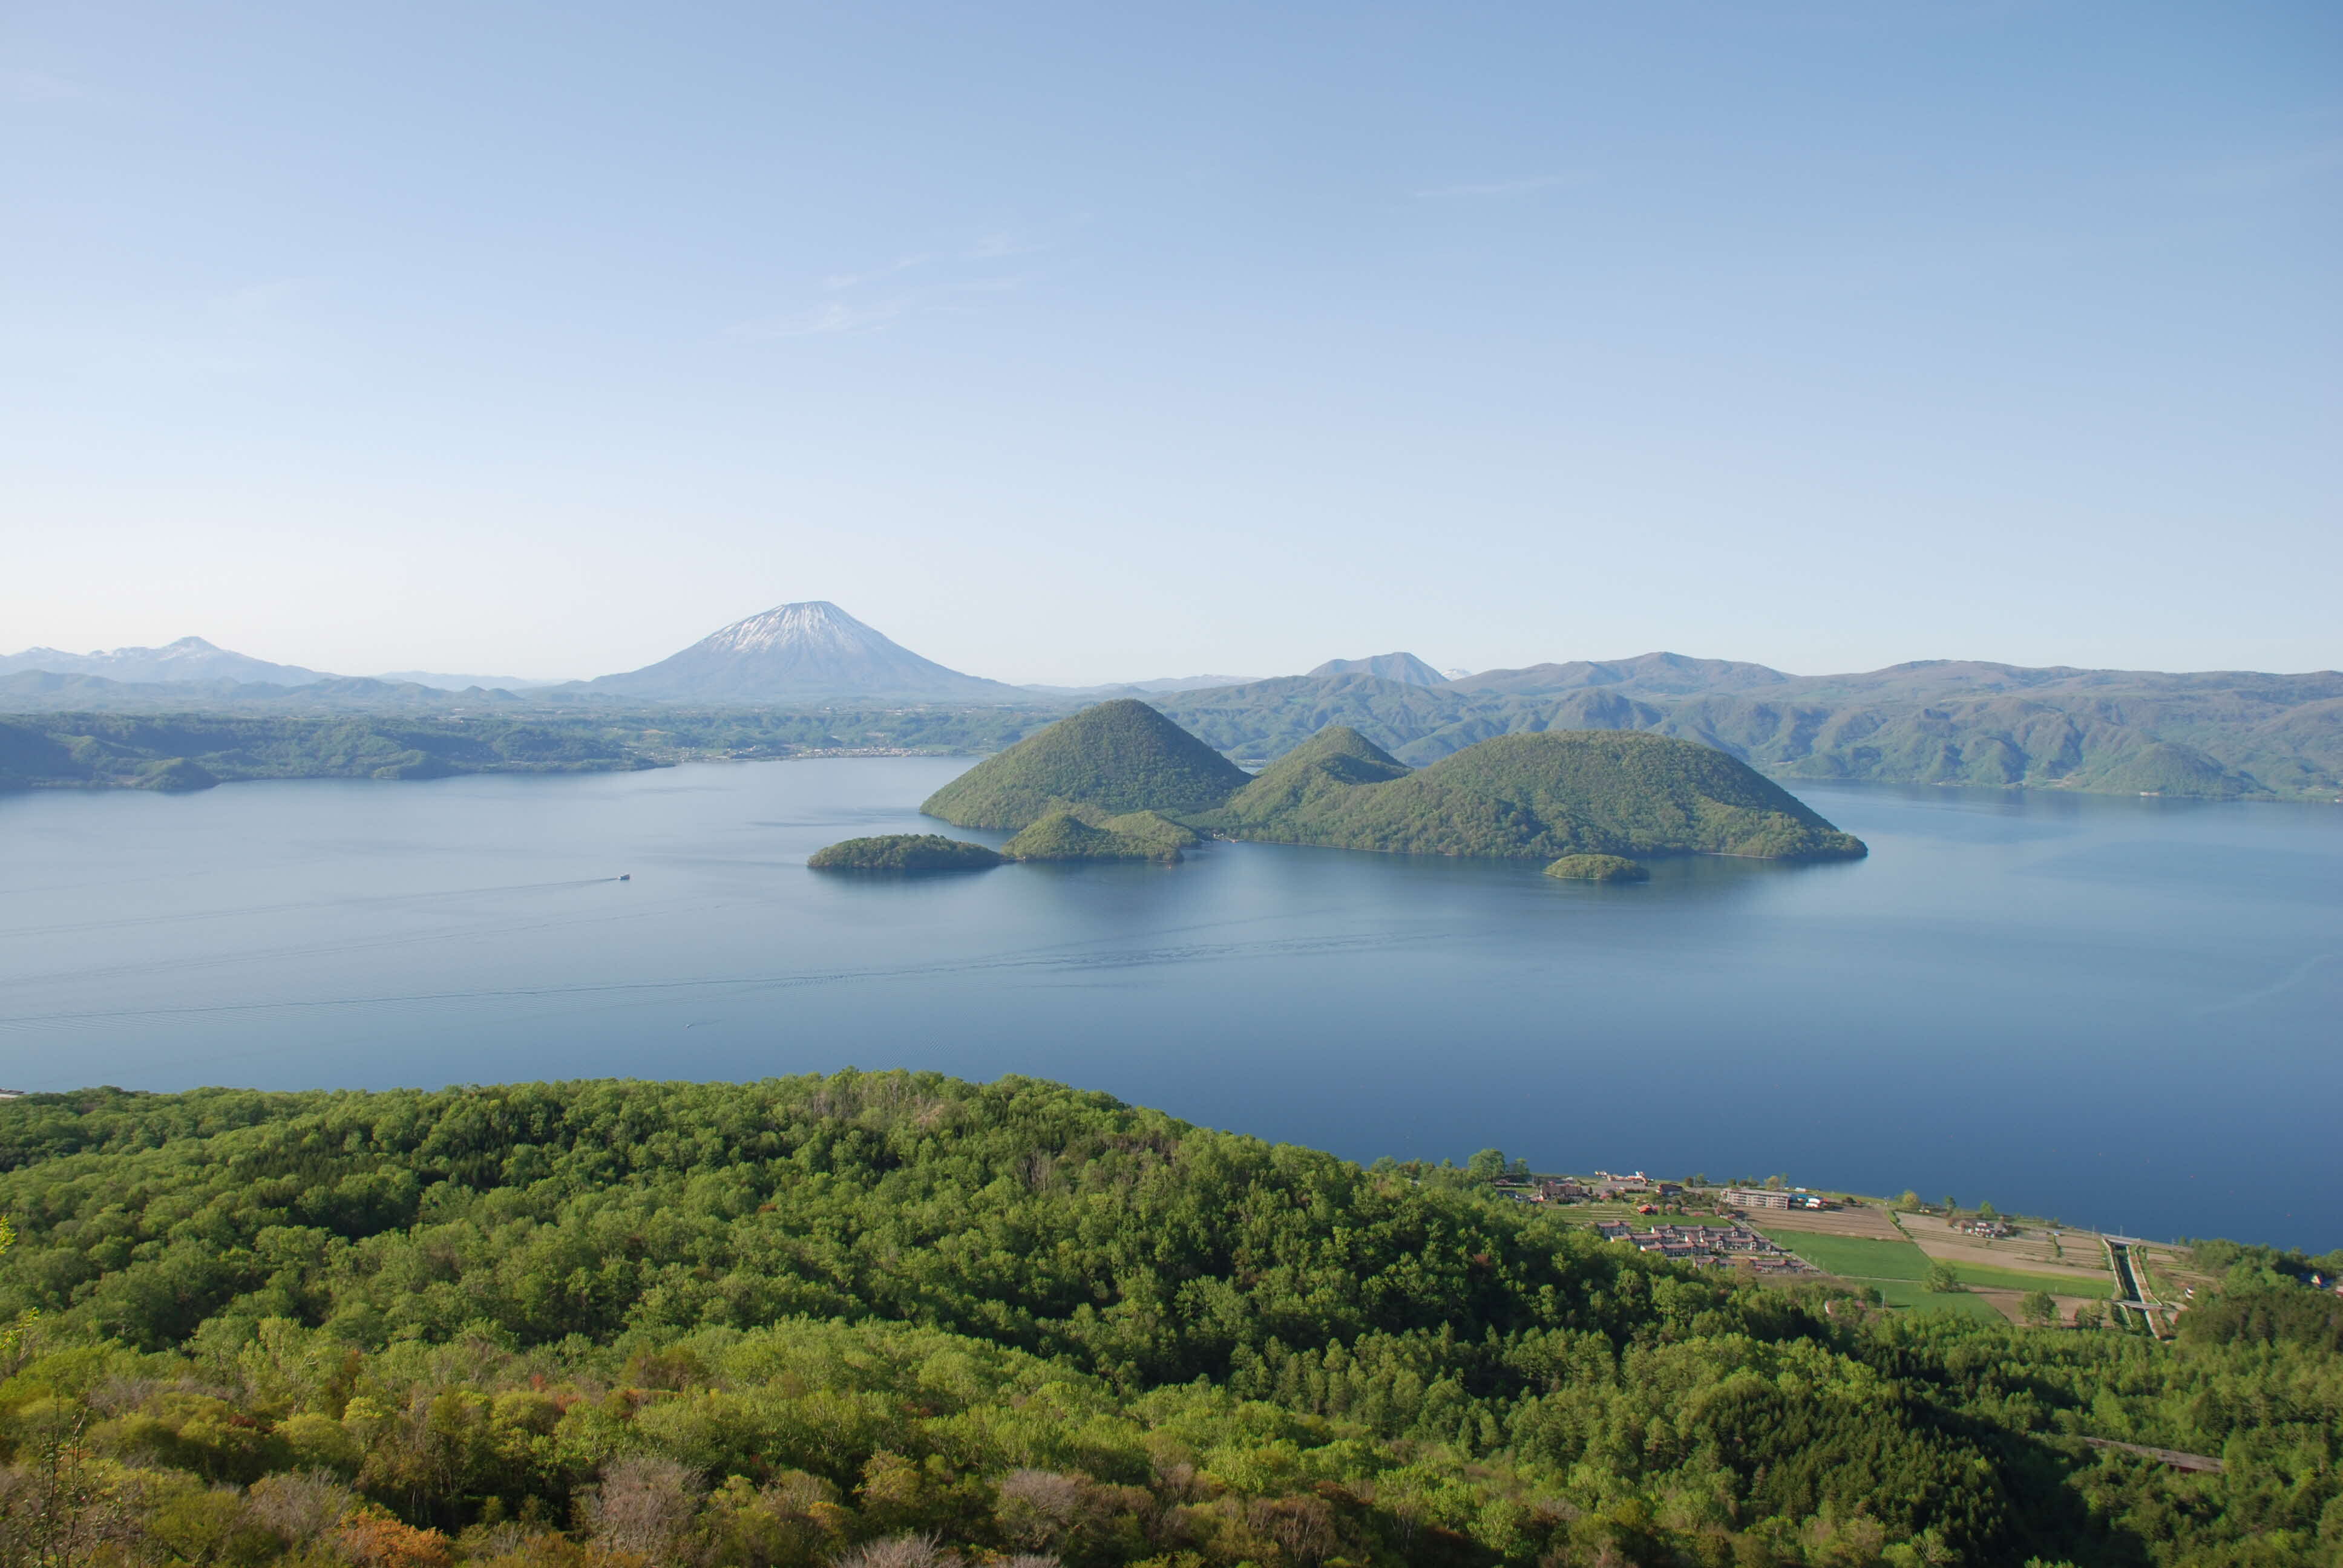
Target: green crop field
pixel 1913 1296
pixel 1897 1268
pixel 1854 1257
pixel 2026 1280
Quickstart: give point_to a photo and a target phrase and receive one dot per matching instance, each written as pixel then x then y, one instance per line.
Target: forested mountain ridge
pixel 628 1322
pixel 2212 735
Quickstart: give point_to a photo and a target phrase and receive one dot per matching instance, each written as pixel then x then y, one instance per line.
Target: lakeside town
pixel 1894 1253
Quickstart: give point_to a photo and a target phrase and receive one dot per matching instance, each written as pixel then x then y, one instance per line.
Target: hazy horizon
pixel 1066 347
pixel 417 671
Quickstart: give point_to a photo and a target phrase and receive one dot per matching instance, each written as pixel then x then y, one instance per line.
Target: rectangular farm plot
pixel 1898 1269
pixel 2031 1250
pixel 1913 1296
pixel 2100 1286
pixel 1849 1221
pixel 1854 1257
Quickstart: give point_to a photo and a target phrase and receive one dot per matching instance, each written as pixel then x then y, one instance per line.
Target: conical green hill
pixel 1330 761
pixel 1120 757
pixel 1560 792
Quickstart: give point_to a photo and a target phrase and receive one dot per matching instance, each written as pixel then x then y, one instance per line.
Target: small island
pixel 904 852
pixel 1599 868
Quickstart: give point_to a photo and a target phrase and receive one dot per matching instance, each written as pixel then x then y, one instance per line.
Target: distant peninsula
pixel 1067 789
pixel 904 852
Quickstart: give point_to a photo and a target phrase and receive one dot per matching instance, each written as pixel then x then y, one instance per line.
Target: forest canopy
pixel 892 1313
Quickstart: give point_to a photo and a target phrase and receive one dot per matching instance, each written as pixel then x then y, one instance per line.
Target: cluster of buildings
pixel 1634 1187
pixel 1606 1187
pixel 1773 1198
pixel 1710 1244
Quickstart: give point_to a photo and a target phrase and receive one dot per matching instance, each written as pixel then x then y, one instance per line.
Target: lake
pixel 2123 1012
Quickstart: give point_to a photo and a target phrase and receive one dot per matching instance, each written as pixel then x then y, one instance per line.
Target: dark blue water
pixel 2123 1012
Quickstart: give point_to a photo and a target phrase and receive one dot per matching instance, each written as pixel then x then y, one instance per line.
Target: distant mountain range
pixel 2219 734
pixel 189 659
pixel 1145 688
pixel 2210 733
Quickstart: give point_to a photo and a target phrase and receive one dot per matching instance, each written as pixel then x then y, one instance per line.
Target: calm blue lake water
pixel 2123 1012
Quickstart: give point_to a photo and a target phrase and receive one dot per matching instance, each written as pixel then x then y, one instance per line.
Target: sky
pixel 1088 343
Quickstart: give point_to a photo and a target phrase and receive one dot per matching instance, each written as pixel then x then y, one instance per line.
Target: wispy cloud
pixel 840 280
pixel 874 299
pixel 830 320
pixel 1498 189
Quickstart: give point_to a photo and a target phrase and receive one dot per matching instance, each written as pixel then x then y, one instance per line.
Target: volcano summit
pixel 799 651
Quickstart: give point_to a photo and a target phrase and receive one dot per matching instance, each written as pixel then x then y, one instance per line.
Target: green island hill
pixel 904 852
pixel 1599 868
pixel 1118 757
pixel 1541 795
pixel 894 1320
pixel 1081 832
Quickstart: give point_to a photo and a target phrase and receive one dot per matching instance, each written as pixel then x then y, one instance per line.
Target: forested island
pixel 1065 832
pixel 889 1317
pixel 1540 796
pixel 904 852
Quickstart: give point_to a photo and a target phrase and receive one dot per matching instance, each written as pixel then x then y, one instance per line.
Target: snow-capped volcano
pixel 189 659
pixel 797 651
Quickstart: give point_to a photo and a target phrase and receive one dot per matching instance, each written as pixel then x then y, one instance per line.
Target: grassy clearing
pixel 1897 1269
pixel 1912 1296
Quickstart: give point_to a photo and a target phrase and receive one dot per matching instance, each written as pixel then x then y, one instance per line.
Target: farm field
pixel 1864 1221
pixel 1912 1296
pixel 2096 1286
pixel 2031 1250
pixel 1853 1257
pixel 1898 1267
pixel 2010 1304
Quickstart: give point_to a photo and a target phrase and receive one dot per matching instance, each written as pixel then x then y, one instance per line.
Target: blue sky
pixel 1084 343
